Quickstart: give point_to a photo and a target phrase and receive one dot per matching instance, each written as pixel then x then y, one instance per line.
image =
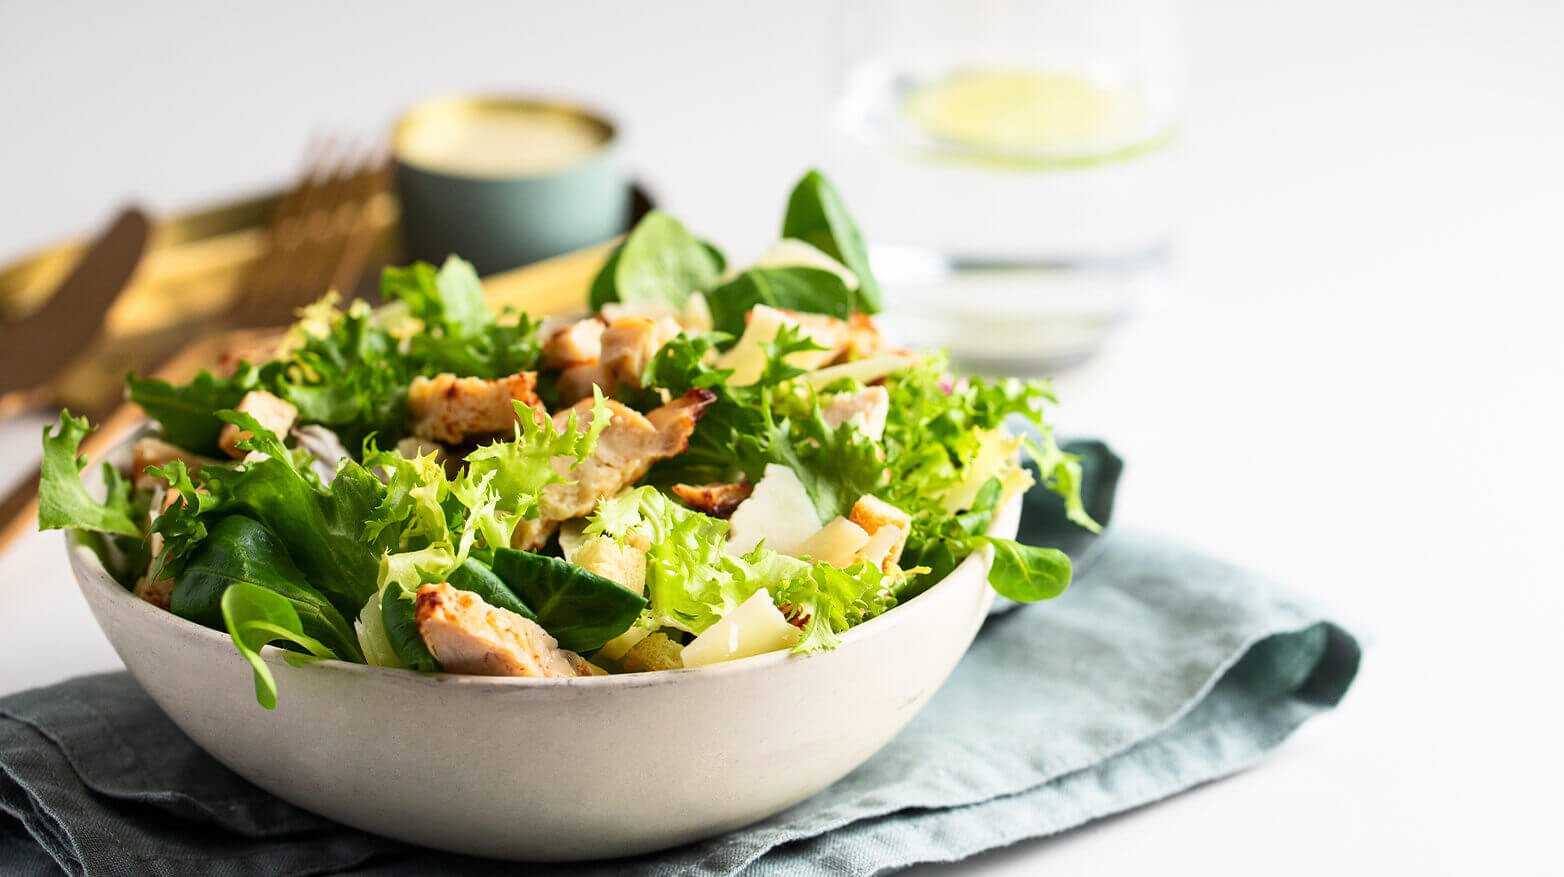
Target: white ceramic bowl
pixel 550 769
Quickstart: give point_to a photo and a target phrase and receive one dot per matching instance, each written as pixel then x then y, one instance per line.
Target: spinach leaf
pixel 581 609
pixel 475 576
pixel 791 287
pixel 188 412
pixel 241 550
pixel 256 616
pixel 1027 573
pixel 817 216
pixel 63 500
pixel 660 263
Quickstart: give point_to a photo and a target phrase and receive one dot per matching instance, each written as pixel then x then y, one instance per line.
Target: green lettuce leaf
pixel 1028 573
pixel 63 501
pixel 187 413
pixel 323 527
pixel 834 600
pixel 519 469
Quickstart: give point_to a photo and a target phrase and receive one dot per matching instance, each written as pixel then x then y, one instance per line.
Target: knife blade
pixel 37 348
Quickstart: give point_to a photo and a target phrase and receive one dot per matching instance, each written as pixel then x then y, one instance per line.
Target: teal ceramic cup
pixel 503 182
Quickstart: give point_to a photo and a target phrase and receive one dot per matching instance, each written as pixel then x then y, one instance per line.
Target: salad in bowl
pixel 712 464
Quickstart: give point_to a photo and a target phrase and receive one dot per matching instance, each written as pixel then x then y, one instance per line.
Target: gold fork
pixel 320 238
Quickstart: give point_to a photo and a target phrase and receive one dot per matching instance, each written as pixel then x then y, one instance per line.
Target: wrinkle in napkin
pixel 1160 670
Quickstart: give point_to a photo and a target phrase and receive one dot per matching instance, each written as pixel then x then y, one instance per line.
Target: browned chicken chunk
pixel 630 343
pixel 450 409
pixel 717 500
pixel 580 343
pixel 467 635
pixel 269 411
pixel 625 450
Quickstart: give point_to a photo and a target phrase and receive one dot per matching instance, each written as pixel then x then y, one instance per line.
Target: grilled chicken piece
pixel 580 343
pixel 717 500
pixel 694 316
pixel 277 415
pixel 629 344
pixel 887 526
pixel 449 409
pixel 867 407
pixel 626 448
pixel 577 381
pixel 626 345
pixel 467 635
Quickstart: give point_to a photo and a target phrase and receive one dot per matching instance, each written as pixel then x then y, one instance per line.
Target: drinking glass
pixel 1009 161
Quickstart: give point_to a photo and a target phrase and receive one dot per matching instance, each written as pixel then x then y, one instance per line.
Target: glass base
pixel 1020 318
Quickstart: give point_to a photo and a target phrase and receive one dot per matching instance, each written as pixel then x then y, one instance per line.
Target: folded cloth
pixel 1159 670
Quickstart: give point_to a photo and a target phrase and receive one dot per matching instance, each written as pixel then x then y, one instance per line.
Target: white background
pixel 1355 387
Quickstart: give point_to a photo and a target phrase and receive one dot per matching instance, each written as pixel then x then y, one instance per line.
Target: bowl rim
pixel 90 572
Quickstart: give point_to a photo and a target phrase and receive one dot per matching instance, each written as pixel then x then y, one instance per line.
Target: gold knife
pixel 37 348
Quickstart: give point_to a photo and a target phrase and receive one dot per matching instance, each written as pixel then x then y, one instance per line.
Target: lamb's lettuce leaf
pixel 1027 573
pixel 256 616
pixel 187 413
pixel 816 215
pixel 660 263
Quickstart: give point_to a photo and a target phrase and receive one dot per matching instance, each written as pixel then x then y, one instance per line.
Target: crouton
pixel 874 514
pixel 625 564
pixel 159 592
pixel 277 415
pixel 655 652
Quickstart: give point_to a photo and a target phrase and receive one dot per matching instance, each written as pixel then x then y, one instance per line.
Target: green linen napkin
pixel 1159 670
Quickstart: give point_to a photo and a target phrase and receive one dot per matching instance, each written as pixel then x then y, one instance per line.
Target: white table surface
pixel 1355 386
